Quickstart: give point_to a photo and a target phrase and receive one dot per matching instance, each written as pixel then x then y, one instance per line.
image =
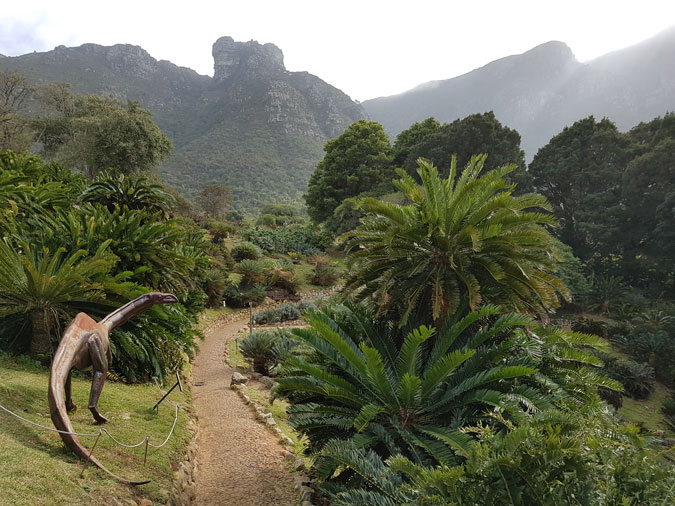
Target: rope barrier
pixel 146 440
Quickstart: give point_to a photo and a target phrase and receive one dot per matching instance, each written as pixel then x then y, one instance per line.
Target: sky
pixel 366 48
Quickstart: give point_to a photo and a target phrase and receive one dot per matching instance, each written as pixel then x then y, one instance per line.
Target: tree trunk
pixel 40 345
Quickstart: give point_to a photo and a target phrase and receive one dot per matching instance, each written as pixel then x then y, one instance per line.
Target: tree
pixel 48 286
pixel 579 171
pixel 409 139
pixel 214 200
pixel 477 133
pixel 15 129
pixel 463 241
pixel 357 161
pixel 648 185
pixel 96 133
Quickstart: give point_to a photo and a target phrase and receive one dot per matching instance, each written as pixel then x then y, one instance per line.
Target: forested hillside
pixel 252 123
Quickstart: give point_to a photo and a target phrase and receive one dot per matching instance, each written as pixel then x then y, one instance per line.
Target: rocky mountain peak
pixel 233 58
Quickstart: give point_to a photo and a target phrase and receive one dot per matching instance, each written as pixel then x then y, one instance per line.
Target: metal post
pixel 86 463
pixel 178 384
pixel 250 321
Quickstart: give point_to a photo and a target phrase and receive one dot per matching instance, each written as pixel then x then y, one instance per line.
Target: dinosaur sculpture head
pixel 162 298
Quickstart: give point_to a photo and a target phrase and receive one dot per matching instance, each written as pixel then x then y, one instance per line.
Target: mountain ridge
pixel 252 122
pixel 544 89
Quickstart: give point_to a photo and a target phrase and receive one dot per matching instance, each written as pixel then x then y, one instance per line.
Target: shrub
pixel 318 259
pixel 636 377
pixel 324 275
pixel 284 312
pixel 241 296
pixel 413 395
pixel 245 251
pixel 590 326
pixel 282 276
pixel 259 347
pixel 301 239
pixel 219 230
pixel 559 459
pixel 266 220
pixel 288 311
pixel 252 271
pixel 668 410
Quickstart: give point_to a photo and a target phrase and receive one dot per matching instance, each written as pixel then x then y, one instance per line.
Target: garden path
pixel 240 461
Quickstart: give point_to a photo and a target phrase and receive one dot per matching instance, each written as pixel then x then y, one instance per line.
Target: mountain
pixel 253 126
pixel 545 89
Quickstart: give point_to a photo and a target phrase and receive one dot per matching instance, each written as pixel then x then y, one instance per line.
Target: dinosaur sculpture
pixel 85 343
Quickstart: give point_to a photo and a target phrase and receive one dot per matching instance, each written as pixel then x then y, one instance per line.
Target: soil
pixel 240 461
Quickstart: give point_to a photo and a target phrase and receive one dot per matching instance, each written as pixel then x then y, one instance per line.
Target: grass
pixel 210 315
pixel 647 413
pixel 37 469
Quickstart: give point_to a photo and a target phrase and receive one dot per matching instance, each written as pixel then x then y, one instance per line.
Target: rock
pixel 247 399
pixel 266 415
pixel 285 440
pixel 145 502
pixel 267 381
pixel 271 421
pixel 289 456
pixel 238 379
pixel 307 503
pixel 299 465
pixel 307 494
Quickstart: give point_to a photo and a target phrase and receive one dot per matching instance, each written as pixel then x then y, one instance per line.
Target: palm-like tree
pixel 46 286
pixel 129 191
pixel 461 241
pixel 414 398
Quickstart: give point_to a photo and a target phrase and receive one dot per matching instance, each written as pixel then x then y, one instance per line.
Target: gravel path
pixel 240 462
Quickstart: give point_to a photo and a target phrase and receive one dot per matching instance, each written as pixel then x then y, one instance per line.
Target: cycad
pixel 46 286
pixel 461 242
pixel 415 397
pixel 127 191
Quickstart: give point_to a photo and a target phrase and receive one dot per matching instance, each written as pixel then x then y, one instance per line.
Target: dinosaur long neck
pixel 128 311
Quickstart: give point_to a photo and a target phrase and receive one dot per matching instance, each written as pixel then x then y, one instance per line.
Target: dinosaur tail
pixel 62 422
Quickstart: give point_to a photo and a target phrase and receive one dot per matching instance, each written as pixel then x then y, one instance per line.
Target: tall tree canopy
pixel 477 133
pixel 15 129
pixel 95 133
pixel 357 161
pixel 214 199
pixel 579 171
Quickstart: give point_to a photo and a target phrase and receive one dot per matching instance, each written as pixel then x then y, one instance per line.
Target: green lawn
pixel 37 469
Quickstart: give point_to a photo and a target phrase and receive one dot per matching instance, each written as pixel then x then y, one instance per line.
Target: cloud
pixel 17 38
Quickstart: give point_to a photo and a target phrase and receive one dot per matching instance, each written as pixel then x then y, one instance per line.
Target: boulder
pixel 238 379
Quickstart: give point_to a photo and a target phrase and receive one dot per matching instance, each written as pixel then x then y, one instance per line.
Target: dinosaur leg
pixel 99 363
pixel 70 405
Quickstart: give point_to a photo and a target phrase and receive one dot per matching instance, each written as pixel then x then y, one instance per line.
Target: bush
pixel 219 230
pixel 266 220
pixel 253 271
pixel 259 348
pixel 324 275
pixel 590 326
pixel 284 312
pixel 301 239
pixel 560 459
pixel 245 251
pixel 636 377
pixel 668 410
pixel 318 259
